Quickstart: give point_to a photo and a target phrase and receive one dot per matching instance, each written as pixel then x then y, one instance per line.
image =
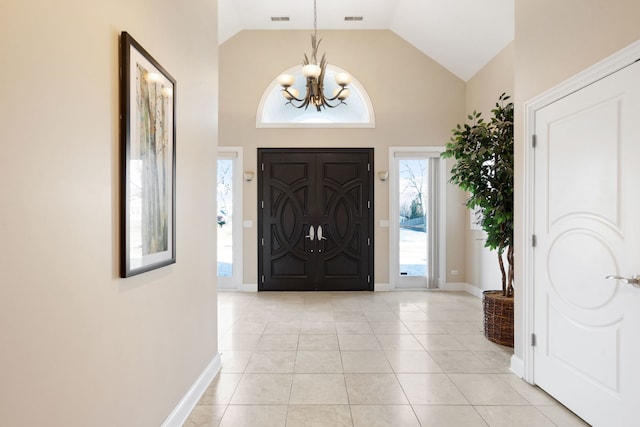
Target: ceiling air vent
pixel 279 18
pixel 353 18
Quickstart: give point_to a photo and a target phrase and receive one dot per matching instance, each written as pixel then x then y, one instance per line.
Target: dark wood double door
pixel 315 222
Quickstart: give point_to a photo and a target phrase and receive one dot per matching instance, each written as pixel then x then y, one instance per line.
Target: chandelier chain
pixel 314 73
pixel 315 18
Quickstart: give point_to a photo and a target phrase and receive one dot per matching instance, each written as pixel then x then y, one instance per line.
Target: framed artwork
pixel 148 161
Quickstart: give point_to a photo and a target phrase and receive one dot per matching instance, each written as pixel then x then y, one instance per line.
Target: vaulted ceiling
pixel 461 35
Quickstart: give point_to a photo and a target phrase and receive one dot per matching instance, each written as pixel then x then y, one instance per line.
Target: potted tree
pixel 483 151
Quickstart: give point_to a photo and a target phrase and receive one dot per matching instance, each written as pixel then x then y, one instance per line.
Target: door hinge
pixel 534 240
pixel 534 141
pixel 263 241
pixel 368 204
pixel 533 340
pixel 368 241
pixel 369 278
pixel 262 167
pixel 368 167
pixel 263 204
pixel 263 278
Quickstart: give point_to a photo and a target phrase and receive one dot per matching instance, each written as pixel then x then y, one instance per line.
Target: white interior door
pixel 587 224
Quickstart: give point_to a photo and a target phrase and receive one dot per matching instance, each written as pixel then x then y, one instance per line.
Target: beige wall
pixel 79 346
pixel 416 102
pixel 483 90
pixel 496 77
pixel 554 41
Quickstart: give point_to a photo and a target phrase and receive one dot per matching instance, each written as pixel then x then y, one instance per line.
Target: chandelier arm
pixel 326 103
pixel 304 103
pixel 342 89
pixel 291 95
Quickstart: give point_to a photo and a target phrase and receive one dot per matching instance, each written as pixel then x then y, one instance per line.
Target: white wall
pixel 78 345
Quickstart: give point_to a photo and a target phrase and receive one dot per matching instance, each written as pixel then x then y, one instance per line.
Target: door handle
pixel 311 235
pixel 320 237
pixel 633 281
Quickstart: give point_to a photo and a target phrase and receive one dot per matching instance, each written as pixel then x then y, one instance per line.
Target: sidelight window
pixel 416 193
pixel 228 217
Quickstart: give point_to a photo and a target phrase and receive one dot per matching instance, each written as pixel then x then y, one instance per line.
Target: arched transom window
pixel 273 110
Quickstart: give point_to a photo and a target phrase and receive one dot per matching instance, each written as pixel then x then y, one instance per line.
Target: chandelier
pixel 315 72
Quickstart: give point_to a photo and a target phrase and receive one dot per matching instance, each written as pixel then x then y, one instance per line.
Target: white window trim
pixel 236 279
pixel 394 213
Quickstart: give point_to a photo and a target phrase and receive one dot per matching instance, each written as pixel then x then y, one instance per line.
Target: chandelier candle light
pixel 314 73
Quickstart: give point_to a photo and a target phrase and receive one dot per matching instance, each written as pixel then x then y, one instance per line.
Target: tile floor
pixel 365 359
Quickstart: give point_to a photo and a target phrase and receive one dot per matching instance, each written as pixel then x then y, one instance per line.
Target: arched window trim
pixel 356 90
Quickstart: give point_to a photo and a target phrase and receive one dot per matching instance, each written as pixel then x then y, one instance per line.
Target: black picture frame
pixel 148 161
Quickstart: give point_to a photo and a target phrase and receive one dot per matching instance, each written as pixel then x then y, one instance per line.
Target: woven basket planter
pixel 498 317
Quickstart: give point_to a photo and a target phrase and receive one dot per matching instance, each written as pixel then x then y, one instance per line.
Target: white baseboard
pixel 181 412
pixel 474 290
pixel 454 286
pixel 382 287
pixel 517 366
pixel 248 287
pixel 462 286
